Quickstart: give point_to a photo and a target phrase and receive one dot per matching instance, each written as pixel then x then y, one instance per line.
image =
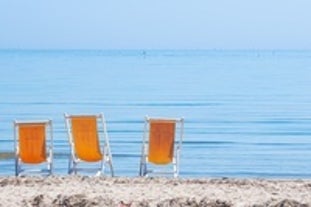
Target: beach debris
pixel 143 203
pixel 4 182
pixel 288 203
pixel 76 200
pixel 281 203
pixel 37 201
pixel 122 204
pixel 205 202
pixel 191 202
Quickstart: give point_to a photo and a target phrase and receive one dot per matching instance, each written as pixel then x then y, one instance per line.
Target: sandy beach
pixel 160 192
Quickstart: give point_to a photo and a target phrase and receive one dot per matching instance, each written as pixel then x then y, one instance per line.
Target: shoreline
pixel 136 191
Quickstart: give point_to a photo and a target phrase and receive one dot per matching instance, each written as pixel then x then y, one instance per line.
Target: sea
pixel 247 112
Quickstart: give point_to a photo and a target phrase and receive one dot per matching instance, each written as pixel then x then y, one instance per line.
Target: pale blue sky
pixel 158 24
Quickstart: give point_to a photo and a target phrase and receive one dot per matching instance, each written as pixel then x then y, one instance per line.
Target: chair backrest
pixel 161 141
pixel 32 142
pixel 85 138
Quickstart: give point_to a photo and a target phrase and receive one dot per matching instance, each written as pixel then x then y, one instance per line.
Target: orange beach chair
pixel 33 146
pixel 161 146
pixel 85 134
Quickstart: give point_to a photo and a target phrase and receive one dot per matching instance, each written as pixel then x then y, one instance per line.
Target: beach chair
pixel 33 142
pixel 89 144
pixel 162 141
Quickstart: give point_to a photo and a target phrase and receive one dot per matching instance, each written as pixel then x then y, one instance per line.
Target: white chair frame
pixel 19 170
pixel 102 135
pixel 145 168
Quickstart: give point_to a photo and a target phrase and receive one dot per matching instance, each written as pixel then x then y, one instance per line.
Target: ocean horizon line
pixel 160 49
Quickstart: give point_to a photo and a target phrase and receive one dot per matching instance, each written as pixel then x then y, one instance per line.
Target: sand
pixel 160 192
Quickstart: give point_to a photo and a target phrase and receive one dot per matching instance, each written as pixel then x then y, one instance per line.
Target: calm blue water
pixel 247 113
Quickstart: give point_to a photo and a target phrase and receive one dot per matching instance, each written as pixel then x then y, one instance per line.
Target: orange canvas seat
pixel 85 133
pixel 161 145
pixel 32 145
pixel 161 141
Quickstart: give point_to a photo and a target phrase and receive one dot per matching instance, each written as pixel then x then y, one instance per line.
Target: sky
pixel 157 24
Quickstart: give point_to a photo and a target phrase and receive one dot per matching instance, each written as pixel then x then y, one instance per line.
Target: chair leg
pixel 49 167
pixel 145 172
pixel 102 168
pixel 141 171
pixel 16 167
pixel 111 168
pixel 74 167
pixel 175 168
pixel 51 162
pixel 143 167
pixel 70 165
